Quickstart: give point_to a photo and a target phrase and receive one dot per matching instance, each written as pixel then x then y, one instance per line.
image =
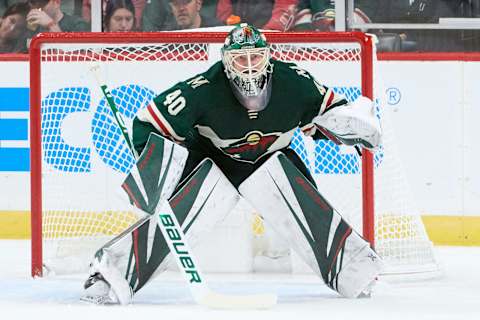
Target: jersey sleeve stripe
pixel 144 115
pixel 308 129
pixel 327 99
pixel 331 100
pixel 161 124
pixel 331 95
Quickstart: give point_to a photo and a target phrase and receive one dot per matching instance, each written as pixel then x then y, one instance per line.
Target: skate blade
pixel 97 300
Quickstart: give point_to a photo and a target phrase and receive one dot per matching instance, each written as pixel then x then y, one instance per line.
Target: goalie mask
pixel 246 58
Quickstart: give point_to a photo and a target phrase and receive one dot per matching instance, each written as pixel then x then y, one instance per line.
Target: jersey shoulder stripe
pixel 152 115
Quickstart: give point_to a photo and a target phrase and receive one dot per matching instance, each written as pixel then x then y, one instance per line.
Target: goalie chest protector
pixel 203 113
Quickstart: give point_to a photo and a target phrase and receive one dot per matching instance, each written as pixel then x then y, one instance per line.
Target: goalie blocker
pixel 294 208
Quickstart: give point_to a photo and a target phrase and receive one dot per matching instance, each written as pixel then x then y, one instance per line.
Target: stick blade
pixel 220 301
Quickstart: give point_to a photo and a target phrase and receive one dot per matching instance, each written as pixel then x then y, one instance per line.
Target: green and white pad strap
pixel 295 209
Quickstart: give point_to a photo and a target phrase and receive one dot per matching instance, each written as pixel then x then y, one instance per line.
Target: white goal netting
pixel 84 158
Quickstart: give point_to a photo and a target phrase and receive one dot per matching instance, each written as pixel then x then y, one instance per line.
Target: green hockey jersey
pixel 203 114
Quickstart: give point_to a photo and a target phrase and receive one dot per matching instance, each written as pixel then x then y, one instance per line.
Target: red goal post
pixel 57 50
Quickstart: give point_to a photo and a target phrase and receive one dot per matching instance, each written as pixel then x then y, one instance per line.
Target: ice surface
pixel 455 295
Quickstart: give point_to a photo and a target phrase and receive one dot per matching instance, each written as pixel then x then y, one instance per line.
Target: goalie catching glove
pixel 352 124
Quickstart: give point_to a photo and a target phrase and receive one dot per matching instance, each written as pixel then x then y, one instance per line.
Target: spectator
pixel 316 15
pixel 139 5
pixel 119 16
pixel 156 15
pixel 267 14
pixel 5 4
pixel 46 16
pixel 319 15
pixel 13 29
pixel 187 15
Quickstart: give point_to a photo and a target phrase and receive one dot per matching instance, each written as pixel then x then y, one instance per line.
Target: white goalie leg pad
pixel 205 198
pixel 292 207
pixel 172 162
pixel 353 123
pixel 261 192
pixel 156 173
pixel 213 202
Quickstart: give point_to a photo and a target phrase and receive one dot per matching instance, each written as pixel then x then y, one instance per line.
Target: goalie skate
pixel 105 285
pixel 97 291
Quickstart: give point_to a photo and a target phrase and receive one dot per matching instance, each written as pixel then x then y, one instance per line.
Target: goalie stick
pixel 173 235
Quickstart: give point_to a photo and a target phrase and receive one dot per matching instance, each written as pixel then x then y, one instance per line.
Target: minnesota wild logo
pixel 251 147
pixel 245 36
pixel 254 138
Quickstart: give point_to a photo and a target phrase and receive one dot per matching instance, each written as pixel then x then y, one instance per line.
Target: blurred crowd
pixel 22 19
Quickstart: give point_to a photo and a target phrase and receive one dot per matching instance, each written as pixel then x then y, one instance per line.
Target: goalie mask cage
pixel 79 157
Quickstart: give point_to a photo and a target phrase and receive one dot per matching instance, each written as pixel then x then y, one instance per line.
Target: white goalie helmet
pixel 246 58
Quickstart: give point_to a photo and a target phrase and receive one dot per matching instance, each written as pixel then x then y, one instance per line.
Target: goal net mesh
pixel 84 157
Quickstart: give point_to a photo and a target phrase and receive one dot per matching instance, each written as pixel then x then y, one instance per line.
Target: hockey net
pixel 79 158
